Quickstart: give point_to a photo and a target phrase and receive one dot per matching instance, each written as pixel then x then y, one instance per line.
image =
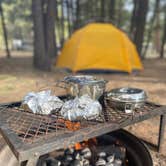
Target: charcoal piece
pixel 68 158
pixel 77 156
pixel 52 162
pixel 43 163
pixel 65 162
pixel 110 164
pixel 69 151
pixel 86 152
pixel 76 163
pixel 86 162
pixel 102 154
pixel 118 151
pixel 100 162
pixel 111 158
pixel 118 162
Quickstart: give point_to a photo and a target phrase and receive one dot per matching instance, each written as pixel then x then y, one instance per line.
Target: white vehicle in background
pixel 19 44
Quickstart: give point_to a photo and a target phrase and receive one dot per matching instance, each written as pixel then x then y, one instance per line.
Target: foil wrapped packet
pixel 81 108
pixel 42 102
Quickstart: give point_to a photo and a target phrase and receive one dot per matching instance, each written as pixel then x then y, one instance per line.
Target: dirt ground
pixel 17 77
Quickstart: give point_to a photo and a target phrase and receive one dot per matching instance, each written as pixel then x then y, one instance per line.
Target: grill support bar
pixel 33 161
pixel 161 137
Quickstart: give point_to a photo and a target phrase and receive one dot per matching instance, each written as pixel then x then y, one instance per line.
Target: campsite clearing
pixel 17 77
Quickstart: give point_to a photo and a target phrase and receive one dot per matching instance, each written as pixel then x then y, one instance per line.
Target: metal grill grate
pixel 114 115
pixel 32 127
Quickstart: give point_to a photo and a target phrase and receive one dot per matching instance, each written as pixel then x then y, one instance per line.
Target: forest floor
pixel 18 77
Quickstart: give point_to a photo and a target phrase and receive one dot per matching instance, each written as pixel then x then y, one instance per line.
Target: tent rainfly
pixel 99 46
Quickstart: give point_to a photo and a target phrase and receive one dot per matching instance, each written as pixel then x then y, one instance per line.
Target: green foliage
pixel 17 15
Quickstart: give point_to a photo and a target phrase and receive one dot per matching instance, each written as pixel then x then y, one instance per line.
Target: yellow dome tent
pixel 99 46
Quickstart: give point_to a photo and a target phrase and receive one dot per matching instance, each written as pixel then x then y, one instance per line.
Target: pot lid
pixel 127 94
pixel 83 79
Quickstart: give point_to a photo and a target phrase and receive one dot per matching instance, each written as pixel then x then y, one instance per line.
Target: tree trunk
pixel 133 18
pixel 68 17
pixel 163 38
pixel 50 31
pixel 157 42
pixel 71 2
pixel 119 19
pixel 58 23
pixel 140 23
pixel 39 40
pixel 44 34
pixel 93 7
pixel 102 3
pixel 62 24
pixel 151 26
pixel 77 21
pixel 4 32
pixel 112 10
pixel 89 11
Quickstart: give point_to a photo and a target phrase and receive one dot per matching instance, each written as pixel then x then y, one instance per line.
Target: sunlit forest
pixel 142 21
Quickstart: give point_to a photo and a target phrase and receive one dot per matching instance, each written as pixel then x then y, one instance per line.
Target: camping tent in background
pixel 99 46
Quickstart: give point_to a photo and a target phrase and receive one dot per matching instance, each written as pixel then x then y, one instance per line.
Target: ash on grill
pixel 90 153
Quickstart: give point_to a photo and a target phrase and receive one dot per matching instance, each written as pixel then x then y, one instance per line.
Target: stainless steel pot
pixel 127 99
pixel 83 84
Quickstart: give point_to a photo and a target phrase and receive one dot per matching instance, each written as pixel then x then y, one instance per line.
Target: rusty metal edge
pixel 11 139
pixel 63 141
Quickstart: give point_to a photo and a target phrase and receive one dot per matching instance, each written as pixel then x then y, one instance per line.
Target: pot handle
pixel 61 84
pixel 128 108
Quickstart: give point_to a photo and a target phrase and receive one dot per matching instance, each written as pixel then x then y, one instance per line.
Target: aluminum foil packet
pixel 81 108
pixel 42 102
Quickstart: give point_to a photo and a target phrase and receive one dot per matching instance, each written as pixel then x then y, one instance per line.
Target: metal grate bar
pixel 32 127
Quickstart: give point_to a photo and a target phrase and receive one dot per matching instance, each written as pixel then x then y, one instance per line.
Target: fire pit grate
pixel 32 127
pixel 114 115
pixel 30 135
